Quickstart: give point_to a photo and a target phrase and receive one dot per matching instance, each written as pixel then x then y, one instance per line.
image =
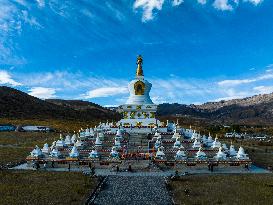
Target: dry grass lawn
pixel 34 187
pixel 224 189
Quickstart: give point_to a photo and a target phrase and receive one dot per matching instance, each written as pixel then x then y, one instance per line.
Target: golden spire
pixel 139 71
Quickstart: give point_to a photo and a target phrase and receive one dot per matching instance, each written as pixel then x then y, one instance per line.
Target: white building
pixel 139 109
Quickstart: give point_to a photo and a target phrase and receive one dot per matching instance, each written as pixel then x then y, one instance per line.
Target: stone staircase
pixel 136 141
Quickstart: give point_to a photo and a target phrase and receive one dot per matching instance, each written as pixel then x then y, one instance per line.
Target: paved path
pixel 134 190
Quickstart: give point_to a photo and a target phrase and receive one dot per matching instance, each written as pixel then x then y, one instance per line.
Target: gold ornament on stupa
pixel 139 71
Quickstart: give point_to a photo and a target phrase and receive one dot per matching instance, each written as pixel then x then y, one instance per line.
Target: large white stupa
pixel 139 109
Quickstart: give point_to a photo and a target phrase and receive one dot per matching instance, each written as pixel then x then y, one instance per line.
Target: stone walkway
pixel 134 190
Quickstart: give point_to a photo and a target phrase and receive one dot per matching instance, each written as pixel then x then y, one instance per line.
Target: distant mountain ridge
pixel 16 104
pixel 257 109
pixel 248 101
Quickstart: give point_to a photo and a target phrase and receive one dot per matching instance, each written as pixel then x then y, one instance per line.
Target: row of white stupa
pixel 222 153
pixel 75 142
pixel 90 132
pixel 201 155
pixel 208 142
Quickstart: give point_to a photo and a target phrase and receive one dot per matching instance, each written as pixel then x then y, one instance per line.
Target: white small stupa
pixel 79 143
pixel 157 135
pixel 209 141
pixel 175 135
pixel 119 135
pixel 60 143
pixel 232 151
pixel 204 139
pixel 157 143
pixel 114 153
pixel 196 144
pixel 68 140
pixel 180 155
pixel 53 145
pixel 94 154
pixel 73 138
pixel 87 132
pixel 160 154
pixel 117 143
pixel 194 135
pixel 241 155
pixel 81 134
pixel 200 154
pixel 55 153
pixel 91 132
pixel 74 152
pixel 101 136
pixel 46 149
pixel 216 143
pixel 188 132
pixel 36 152
pixel 220 154
pixel 225 148
pixel 177 143
pixel 98 142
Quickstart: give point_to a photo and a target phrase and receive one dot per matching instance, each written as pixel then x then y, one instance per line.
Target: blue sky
pixel 194 50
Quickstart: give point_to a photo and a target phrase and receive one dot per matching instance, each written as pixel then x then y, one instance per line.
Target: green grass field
pixel 35 187
pixel 224 189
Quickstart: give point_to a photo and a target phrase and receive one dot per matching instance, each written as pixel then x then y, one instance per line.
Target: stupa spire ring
pixel 139 62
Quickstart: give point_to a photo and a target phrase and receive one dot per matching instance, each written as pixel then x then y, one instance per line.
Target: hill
pixel 255 110
pixel 15 104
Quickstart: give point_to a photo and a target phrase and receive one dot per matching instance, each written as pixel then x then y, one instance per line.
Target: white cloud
pixel 263 89
pixel 42 92
pixel 41 3
pixel 233 93
pixel 222 5
pixel 29 19
pixel 12 21
pixel 148 7
pixel 255 2
pixel 270 66
pixel 202 1
pixel 105 92
pixel 240 88
pixel 177 2
pixel 230 83
pixel 6 79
